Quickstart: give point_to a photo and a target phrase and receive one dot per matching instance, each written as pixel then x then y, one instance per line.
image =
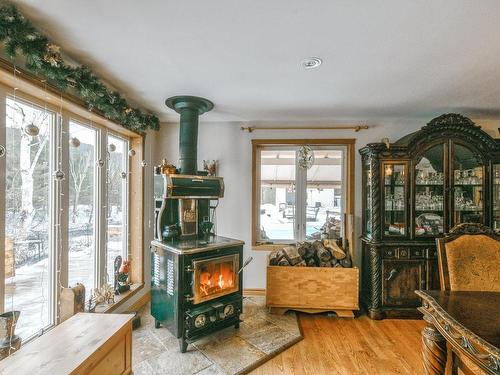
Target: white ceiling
pixel 388 58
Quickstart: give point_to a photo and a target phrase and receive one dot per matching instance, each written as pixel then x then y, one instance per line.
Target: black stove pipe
pixel 190 108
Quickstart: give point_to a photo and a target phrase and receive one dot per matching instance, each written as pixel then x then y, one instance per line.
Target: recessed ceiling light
pixel 311 62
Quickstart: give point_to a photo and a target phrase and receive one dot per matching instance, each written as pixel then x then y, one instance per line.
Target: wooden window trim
pixel 349 143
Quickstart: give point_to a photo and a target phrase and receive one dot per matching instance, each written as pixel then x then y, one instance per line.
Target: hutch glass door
pixel 429 193
pixel 468 187
pixel 395 199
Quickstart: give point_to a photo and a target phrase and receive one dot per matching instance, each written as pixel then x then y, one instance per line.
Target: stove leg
pixel 157 323
pixel 237 324
pixel 183 344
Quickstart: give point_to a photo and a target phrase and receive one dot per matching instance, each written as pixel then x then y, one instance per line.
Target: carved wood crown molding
pixel 470 229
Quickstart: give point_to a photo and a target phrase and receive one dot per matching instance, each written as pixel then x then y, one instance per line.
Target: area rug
pixel 230 351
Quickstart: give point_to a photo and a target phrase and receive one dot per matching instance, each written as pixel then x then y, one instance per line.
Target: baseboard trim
pixel 140 302
pixel 254 292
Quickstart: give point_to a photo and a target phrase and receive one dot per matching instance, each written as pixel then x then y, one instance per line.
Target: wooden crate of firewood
pixel 312 277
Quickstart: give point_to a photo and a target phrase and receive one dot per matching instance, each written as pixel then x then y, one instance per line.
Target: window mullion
pixel 300 200
pixel 101 210
pixel 61 200
pixel 3 168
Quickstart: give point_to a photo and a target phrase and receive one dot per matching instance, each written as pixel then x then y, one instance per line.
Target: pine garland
pixel 44 59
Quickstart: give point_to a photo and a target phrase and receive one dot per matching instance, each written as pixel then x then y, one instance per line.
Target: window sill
pixel 268 247
pixel 119 299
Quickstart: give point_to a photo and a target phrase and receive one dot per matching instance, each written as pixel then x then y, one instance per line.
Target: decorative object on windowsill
pixel 10 342
pixel 31 130
pixel 306 157
pixel 45 59
pixel 72 301
pixel 122 269
pixel 325 253
pixel 211 167
pixel 167 168
pixel 105 294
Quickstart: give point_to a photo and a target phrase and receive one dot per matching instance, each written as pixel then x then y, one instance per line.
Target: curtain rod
pixel 356 128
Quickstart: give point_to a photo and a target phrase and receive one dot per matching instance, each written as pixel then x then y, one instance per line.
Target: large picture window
pixel 300 191
pixel 64 206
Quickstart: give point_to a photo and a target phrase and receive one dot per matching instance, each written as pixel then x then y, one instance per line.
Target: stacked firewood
pixel 324 253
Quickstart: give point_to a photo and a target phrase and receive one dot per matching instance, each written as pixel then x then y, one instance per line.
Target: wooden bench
pixel 84 344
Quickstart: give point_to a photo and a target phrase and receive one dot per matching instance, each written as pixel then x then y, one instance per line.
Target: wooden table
pixel 83 344
pixel 462 333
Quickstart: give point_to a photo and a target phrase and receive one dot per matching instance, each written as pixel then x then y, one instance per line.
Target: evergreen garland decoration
pixel 44 59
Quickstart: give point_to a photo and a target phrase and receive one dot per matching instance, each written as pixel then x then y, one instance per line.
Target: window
pixel 117 196
pixel 64 206
pixel 82 206
pixel 28 254
pixel 300 190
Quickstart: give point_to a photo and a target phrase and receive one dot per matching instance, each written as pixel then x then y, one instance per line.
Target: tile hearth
pixel 260 337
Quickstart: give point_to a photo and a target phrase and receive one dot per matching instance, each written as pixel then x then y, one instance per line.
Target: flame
pixel 221 282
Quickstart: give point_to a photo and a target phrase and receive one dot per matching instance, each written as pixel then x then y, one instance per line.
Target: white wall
pixel 232 148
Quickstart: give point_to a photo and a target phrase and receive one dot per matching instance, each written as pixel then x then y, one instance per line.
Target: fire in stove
pixel 215 277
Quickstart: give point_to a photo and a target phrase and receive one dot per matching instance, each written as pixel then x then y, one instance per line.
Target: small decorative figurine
pixel 105 294
pixel 210 166
pixel 122 270
pixel 167 168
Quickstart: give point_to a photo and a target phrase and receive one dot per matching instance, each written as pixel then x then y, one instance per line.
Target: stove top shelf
pixel 197 245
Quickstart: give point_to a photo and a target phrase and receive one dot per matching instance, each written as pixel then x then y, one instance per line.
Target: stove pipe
pixel 190 108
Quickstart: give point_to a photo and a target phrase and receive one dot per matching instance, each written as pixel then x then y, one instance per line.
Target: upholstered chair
pixel 469 259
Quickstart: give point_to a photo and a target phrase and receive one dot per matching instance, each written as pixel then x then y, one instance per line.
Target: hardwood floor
pixel 350 347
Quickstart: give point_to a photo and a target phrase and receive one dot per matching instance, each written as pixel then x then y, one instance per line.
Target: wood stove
pixel 196 286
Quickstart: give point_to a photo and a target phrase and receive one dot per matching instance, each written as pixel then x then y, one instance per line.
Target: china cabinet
pixel 415 190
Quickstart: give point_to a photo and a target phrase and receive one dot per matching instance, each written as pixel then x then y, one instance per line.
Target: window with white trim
pixel 300 192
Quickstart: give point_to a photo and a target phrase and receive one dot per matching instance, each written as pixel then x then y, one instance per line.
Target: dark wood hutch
pixel 414 190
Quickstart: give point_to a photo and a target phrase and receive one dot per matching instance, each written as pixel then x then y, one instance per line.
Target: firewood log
pixel 346 262
pixel 338 264
pixel 275 257
pixel 321 252
pixel 292 255
pixel 302 263
pixel 304 249
pixel 311 262
pixel 283 262
pixel 335 249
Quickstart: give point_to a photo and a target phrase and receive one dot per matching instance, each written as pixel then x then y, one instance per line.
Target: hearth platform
pixel 261 336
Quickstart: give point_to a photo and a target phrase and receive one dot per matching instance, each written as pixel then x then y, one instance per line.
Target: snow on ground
pixel 28 291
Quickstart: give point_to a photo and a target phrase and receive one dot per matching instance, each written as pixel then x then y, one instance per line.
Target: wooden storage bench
pixel 90 344
pixel 313 289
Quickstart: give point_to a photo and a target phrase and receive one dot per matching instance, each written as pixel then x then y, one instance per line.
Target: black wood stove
pixel 196 286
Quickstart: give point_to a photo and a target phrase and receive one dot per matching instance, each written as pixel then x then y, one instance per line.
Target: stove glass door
pixel 215 277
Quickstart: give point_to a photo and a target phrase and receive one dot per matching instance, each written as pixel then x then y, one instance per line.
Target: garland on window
pixel 44 58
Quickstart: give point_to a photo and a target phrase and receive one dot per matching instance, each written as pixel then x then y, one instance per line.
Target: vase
pixel 9 341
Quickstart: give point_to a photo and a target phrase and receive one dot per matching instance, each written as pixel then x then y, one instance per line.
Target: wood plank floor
pixel 350 347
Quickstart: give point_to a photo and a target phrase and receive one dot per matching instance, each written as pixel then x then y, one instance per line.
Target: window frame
pixel 32 92
pixel 348 191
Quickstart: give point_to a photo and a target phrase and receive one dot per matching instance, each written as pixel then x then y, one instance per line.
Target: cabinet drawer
pixel 403 253
pixel 391 253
